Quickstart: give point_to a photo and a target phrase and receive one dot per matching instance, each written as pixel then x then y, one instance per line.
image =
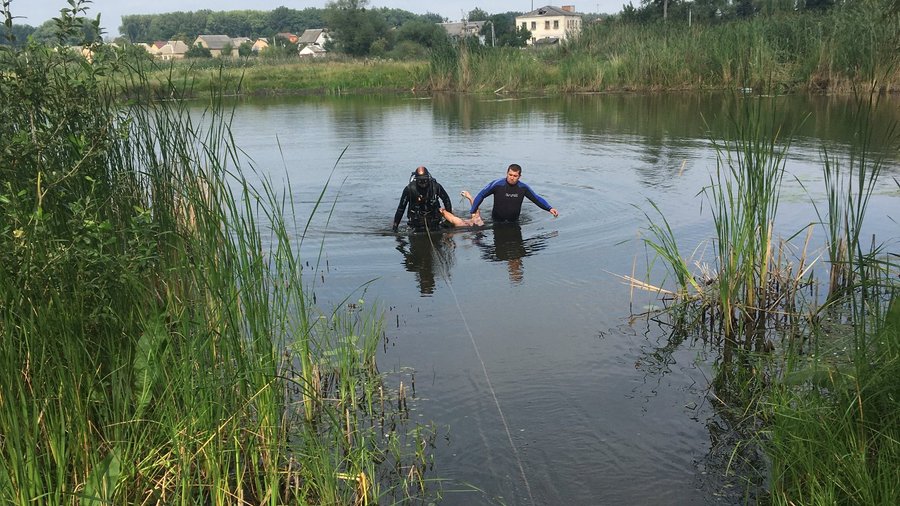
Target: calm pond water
pixel 599 409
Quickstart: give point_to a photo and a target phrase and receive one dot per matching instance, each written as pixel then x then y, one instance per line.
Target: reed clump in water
pixel 160 347
pixel 744 290
pixel 824 406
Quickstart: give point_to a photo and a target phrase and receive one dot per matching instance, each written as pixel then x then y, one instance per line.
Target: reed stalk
pixel 743 197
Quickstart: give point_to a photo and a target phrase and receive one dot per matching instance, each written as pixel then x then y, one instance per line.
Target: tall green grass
pixel 852 44
pixel 744 287
pixel 835 432
pixel 823 406
pixel 160 345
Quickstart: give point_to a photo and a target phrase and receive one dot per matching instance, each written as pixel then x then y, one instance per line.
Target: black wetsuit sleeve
pixel 404 201
pixel 442 194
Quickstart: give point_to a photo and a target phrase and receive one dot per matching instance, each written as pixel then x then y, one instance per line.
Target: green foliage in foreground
pixel 159 347
pixel 834 436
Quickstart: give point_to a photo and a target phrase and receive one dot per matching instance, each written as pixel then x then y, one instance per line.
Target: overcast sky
pixel 35 12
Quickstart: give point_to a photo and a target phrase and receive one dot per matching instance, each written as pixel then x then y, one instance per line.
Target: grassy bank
pixel 159 343
pixel 830 52
pixel 856 44
pixel 808 357
pixel 255 77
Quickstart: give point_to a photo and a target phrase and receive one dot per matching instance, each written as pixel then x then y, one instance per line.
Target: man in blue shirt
pixel 508 194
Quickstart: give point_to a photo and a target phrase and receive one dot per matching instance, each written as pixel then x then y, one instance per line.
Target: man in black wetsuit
pixel 421 197
pixel 508 194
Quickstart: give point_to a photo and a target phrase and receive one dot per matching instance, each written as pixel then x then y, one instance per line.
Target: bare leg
pixel 454 220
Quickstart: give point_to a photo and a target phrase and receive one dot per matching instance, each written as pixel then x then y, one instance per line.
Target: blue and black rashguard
pixel 508 199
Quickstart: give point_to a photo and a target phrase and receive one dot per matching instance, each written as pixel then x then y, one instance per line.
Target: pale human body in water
pixel 456 221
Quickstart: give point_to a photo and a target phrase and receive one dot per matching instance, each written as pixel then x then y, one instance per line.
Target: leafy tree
pixel 247 23
pixel 745 9
pixel 198 51
pixel 629 13
pixel 133 28
pixel 819 5
pixel 477 14
pixel 432 17
pixel 245 49
pixel 227 49
pixel 711 10
pixel 506 33
pixel 312 17
pixel 661 9
pixel 284 19
pixel 423 33
pixel 134 53
pixel 355 28
pixel 231 23
pixel 397 17
pixel 68 31
pixel 408 50
pixel 17 35
pixel 281 48
pixel 379 47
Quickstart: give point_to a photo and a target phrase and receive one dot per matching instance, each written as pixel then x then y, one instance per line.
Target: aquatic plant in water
pixel 825 403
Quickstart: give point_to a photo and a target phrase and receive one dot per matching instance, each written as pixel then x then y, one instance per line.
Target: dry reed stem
pixel 636 283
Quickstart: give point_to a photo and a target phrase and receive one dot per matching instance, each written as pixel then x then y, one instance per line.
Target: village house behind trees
pixel 551 25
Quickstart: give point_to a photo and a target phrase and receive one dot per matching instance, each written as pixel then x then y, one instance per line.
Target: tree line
pixel 356 29
pixel 244 23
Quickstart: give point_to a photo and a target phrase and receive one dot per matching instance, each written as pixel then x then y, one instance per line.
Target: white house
pixel 312 50
pixel 315 37
pixel 462 29
pixel 551 24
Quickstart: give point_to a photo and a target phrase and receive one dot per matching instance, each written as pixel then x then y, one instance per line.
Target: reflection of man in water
pixel 508 246
pixel 423 254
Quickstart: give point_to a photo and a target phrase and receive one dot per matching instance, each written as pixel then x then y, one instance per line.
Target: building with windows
pixel 551 25
pixel 463 29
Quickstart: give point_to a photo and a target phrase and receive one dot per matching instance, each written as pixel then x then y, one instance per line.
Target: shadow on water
pixel 733 469
pixel 428 256
pixel 508 245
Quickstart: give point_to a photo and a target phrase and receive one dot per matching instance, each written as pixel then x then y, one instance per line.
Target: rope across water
pixel 487 377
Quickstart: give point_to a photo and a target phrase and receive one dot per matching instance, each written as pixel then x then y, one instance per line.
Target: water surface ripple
pixel 602 410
